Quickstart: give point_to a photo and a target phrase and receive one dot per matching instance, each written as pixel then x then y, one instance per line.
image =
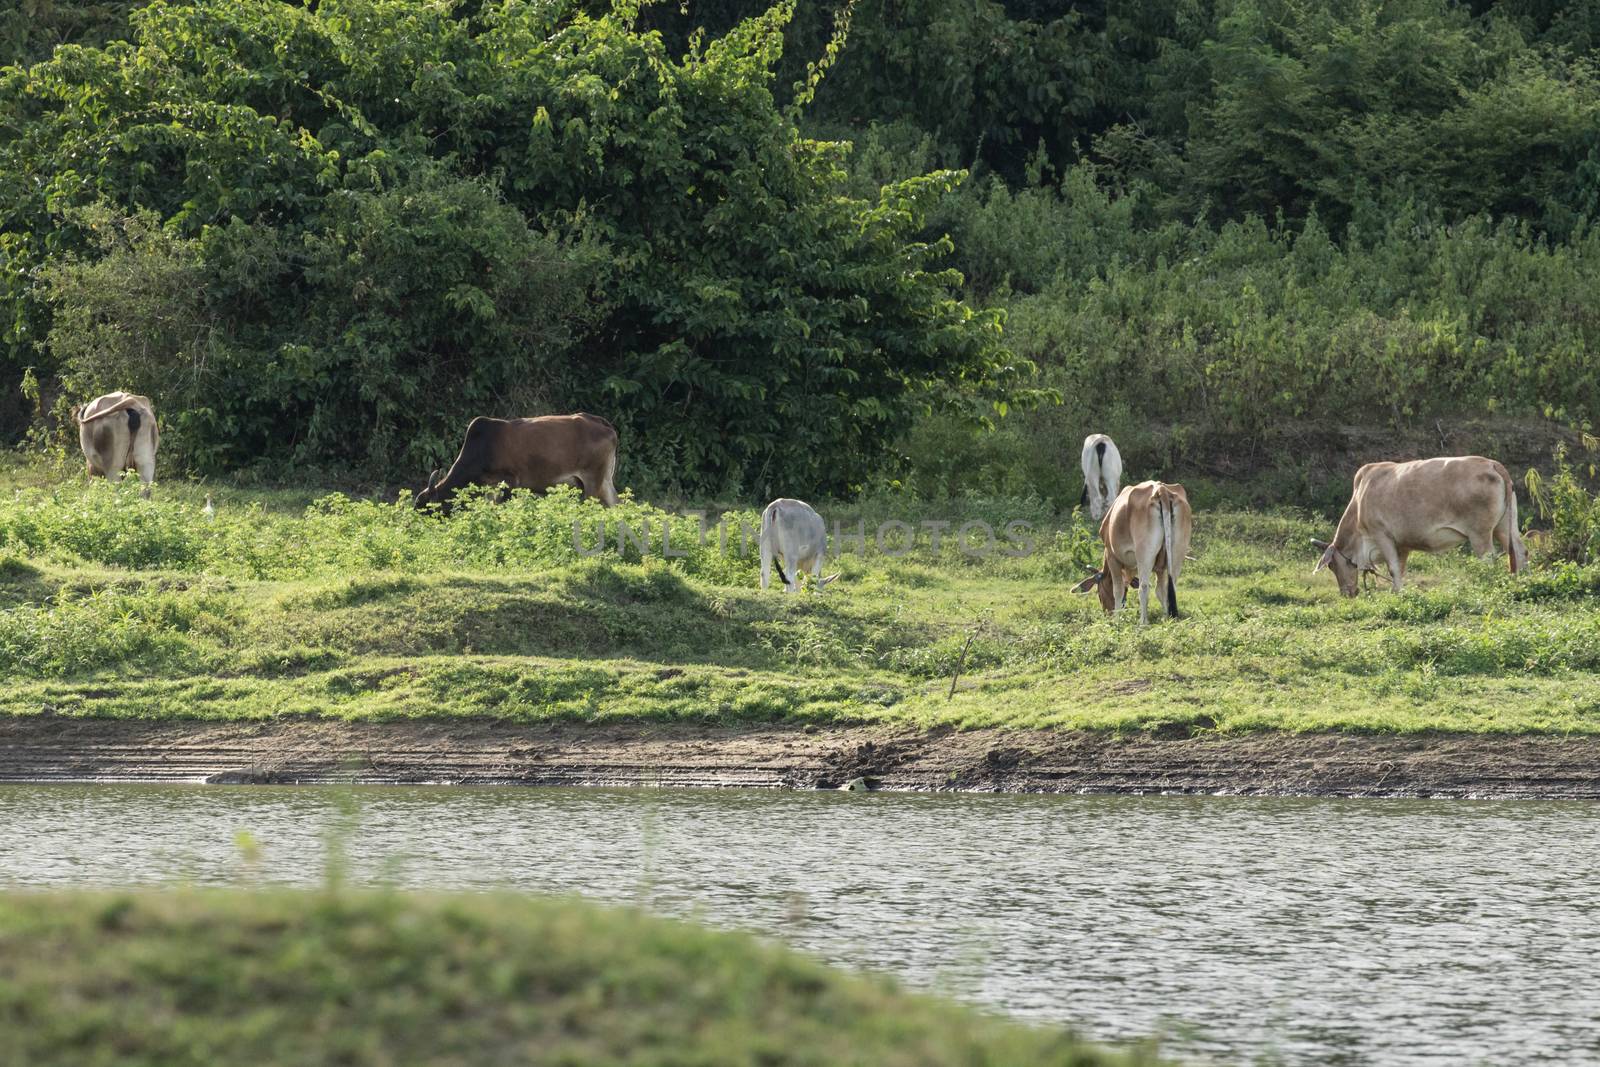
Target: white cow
pixel 793 537
pixel 118 431
pixel 1102 473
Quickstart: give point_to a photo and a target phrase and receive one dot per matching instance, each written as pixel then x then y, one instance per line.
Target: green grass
pixel 292 978
pixel 299 604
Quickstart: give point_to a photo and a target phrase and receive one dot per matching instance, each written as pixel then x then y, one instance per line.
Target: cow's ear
pixel 1088 583
pixel 1327 555
pixel 824 581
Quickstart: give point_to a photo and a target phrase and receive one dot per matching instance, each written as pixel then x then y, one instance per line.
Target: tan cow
pixel 1426 505
pixel 118 431
pixel 532 454
pixel 1146 533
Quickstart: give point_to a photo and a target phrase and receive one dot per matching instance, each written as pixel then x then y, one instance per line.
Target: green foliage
pixel 75 636
pixel 1563 580
pixel 330 235
pixel 1225 336
pixel 31 29
pixel 1572 510
pixel 1206 221
pixel 1323 105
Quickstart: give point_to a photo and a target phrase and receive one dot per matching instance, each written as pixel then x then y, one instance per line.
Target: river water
pixel 1240 930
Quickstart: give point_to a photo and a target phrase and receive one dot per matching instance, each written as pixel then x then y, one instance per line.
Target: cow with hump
pixel 1146 535
pixel 1102 473
pixel 795 541
pixel 532 454
pixel 118 431
pixel 1426 505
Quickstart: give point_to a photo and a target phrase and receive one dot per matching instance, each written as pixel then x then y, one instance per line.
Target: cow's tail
pixel 1093 474
pixel 769 545
pixel 1168 521
pixel 1516 551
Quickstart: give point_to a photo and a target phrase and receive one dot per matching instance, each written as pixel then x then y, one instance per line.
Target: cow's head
pixel 432 495
pixel 1100 582
pixel 1344 569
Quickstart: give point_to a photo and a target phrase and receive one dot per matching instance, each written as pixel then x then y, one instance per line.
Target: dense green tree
pixel 392 213
pixel 31 29
pixel 395 210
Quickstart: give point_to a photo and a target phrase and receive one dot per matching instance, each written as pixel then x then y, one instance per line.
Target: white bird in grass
pixel 209 510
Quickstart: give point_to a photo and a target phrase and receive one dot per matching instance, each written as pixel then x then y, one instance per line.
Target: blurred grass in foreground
pixel 294 978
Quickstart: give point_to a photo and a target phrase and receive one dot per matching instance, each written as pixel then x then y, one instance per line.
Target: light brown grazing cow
pixel 1146 533
pixel 532 454
pixel 1426 505
pixel 118 431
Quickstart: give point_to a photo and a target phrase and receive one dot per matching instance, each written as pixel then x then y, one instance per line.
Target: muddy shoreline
pixel 49 748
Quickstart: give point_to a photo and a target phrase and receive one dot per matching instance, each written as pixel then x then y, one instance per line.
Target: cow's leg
pixel 144 460
pixel 815 568
pixel 608 491
pixel 1482 543
pixel 1397 566
pixel 1513 547
pixel 1144 596
pixel 793 569
pixel 766 563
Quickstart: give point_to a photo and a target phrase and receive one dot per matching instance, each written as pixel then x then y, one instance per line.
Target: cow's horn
pixel 1320 544
pixel 433 479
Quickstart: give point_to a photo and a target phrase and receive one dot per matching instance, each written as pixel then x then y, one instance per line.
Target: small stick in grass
pixel 961 661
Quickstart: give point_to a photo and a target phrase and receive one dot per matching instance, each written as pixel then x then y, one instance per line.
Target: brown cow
pixel 118 431
pixel 1426 505
pixel 1145 533
pixel 532 454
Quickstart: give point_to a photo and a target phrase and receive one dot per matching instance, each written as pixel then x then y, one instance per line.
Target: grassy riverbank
pixel 112 606
pixel 296 978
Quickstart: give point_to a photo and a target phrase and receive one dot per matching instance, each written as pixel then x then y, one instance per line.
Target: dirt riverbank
pixel 895 758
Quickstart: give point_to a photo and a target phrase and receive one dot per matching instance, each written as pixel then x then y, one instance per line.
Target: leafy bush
pixel 355 225
pixel 1563 580
pixel 1223 337
pixel 31 29
pixel 1573 511
pixel 80 635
